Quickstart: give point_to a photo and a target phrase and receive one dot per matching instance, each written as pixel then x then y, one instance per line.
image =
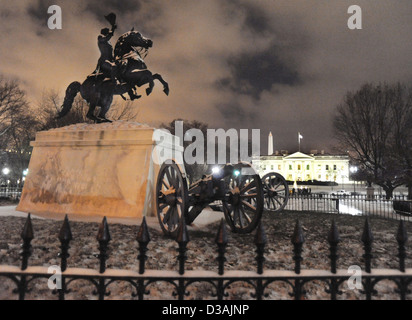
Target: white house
pixel 299 166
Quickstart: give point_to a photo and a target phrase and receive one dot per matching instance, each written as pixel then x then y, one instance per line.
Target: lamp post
pixel 353 170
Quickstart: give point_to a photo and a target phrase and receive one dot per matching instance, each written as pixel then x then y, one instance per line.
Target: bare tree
pixel 50 105
pixel 366 124
pixel 12 100
pixel 18 126
pixel 125 110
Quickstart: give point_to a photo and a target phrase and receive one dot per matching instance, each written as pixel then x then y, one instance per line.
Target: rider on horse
pixel 107 63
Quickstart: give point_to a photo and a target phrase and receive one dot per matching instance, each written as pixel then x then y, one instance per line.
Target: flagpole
pixel 299 140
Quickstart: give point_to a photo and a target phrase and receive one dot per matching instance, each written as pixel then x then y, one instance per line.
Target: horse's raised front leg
pixel 165 84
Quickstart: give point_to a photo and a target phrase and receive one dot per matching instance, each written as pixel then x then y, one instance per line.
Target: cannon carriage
pixel 243 196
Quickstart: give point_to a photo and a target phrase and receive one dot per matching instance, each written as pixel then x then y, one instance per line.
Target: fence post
pixel 333 239
pixel 297 241
pixel 27 235
pixel 143 238
pixel 221 241
pixel 402 238
pixel 182 239
pixel 103 236
pixel 367 239
pixel 65 236
pixel 260 242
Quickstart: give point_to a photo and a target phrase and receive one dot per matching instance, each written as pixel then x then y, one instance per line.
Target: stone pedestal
pixel 96 170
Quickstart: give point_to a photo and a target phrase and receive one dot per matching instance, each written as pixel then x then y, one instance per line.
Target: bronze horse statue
pixel 132 72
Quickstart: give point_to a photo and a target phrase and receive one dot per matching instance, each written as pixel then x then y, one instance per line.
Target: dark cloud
pixel 253 73
pixel 235 113
pixel 280 66
pixel 255 19
pixel 101 8
pixel 37 10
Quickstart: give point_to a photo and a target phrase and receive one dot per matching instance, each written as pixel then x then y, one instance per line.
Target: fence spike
pixel 367 239
pixel 182 239
pixel 143 237
pixel 402 234
pixel 297 240
pixel 260 242
pixel 65 236
pixel 182 234
pixel 260 237
pixel 103 236
pixel 367 236
pixel 221 237
pixel 298 237
pixel 333 239
pixel 27 235
pixel 221 241
pixel 402 238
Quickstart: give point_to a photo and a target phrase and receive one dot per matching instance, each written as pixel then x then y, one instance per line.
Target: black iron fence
pixel 398 208
pixel 182 279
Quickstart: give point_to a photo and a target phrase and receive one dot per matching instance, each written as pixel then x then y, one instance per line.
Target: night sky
pixel 279 66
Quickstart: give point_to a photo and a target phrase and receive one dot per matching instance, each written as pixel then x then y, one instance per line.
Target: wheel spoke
pixel 273 202
pixel 249 195
pixel 249 185
pixel 166 217
pixel 246 215
pixel 249 205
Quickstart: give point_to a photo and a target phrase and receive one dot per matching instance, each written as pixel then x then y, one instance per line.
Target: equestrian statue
pixel 118 72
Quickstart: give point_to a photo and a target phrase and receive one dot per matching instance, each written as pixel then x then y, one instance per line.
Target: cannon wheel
pixel 171 198
pixel 243 204
pixel 276 192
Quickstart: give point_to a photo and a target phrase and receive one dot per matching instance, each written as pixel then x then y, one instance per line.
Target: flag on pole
pixel 300 136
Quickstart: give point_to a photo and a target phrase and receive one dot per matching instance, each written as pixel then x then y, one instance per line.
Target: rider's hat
pixel 105 31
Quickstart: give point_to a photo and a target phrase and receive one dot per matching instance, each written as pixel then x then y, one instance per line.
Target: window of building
pixel 327 167
pixel 290 167
pixel 299 168
pixel 307 167
pixel 334 167
pixel 279 167
pixel 271 167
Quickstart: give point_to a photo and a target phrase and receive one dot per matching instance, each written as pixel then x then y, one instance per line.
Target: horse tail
pixel 71 92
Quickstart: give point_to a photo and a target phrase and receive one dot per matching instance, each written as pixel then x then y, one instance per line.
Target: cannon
pixel 238 188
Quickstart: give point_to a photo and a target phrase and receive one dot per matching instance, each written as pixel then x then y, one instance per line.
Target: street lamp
pixel 353 170
pixel 6 171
